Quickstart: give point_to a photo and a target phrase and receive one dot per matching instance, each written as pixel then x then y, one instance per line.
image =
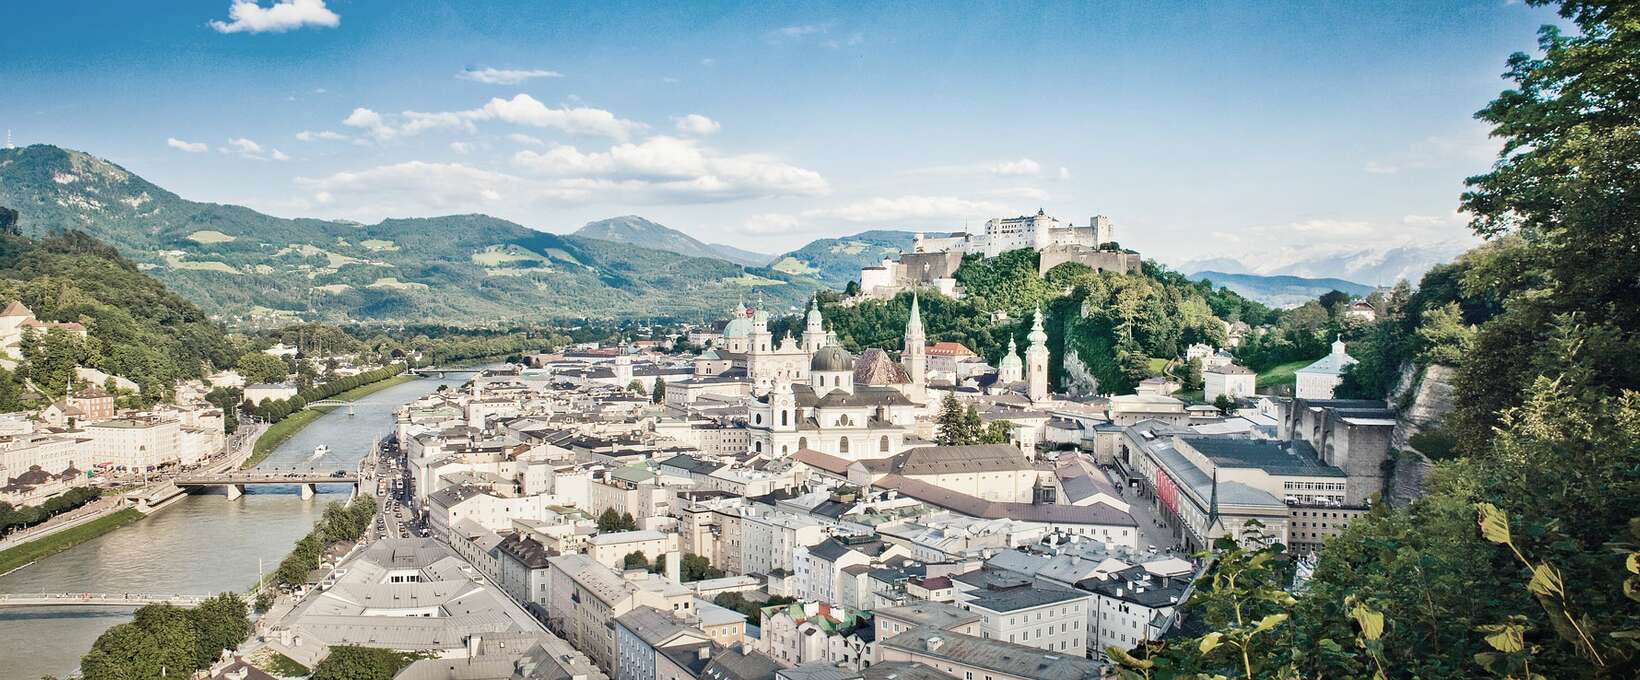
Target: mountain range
pixel 837 261
pixel 237 262
pixel 1281 291
pixel 638 231
pixel 1372 265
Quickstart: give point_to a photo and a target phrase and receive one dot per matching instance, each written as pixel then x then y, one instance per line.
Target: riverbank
pixel 46 546
pixel 283 430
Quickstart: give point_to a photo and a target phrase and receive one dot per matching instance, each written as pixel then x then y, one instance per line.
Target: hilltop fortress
pixel 933 260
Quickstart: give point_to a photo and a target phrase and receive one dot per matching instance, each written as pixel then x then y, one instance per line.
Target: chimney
pixel 472 645
pixel 674 566
pixel 934 643
pixel 705 652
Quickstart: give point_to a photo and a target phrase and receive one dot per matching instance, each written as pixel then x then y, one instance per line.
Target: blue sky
pixel 1202 129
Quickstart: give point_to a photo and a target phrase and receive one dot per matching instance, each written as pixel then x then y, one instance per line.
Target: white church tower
pixel 1036 360
pixel 915 356
pixel 1010 370
pixel 814 332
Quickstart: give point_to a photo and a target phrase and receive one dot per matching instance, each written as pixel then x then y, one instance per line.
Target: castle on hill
pixel 933 260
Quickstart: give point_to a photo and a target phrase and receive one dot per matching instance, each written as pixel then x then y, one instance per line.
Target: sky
pixel 1202 129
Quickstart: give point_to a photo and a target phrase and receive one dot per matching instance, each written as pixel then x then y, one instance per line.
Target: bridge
pixel 96 599
pixel 441 370
pixel 235 482
pixel 336 403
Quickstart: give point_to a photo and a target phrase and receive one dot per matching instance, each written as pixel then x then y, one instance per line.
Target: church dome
pixel 832 358
pixel 875 368
pixel 738 327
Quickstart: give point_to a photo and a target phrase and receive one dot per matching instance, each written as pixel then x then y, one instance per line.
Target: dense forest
pixel 1521 559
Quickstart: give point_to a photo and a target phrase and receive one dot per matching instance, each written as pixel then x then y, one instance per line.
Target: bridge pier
pixel 235 491
pixel 307 491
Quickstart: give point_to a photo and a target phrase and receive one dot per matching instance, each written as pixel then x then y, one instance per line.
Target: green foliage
pixel 23 517
pixel 958 425
pixel 261 367
pixel 1442 337
pixel 350 662
pixel 659 394
pixel 636 387
pixel 1224 403
pixel 137 329
pixel 997 432
pixel 338 524
pixel 696 568
pixel 636 560
pixel 610 521
pixel 752 610
pixel 165 641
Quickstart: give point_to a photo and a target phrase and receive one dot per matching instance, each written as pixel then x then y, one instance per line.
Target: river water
pixel 202 545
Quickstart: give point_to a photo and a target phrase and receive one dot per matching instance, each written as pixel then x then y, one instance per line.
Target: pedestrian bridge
pixel 235 482
pixel 439 371
pixel 95 599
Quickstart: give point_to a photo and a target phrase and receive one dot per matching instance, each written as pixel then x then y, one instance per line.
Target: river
pixel 202 545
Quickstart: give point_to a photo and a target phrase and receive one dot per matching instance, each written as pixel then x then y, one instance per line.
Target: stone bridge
pixel 235 482
pixel 95 599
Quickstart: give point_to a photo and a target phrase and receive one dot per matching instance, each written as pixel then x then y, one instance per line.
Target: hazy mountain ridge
pixel 638 231
pixel 460 268
pixel 1281 291
pixel 1372 265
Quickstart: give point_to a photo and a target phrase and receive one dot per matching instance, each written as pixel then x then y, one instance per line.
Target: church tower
pixel 915 356
pixel 782 409
pixel 814 332
pixel 1011 370
pixel 1036 360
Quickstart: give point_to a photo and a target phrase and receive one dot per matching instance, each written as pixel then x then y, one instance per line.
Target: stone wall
pixel 1422 399
pixel 1098 260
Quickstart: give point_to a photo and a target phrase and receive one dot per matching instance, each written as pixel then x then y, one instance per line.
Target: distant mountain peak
pixel 641 231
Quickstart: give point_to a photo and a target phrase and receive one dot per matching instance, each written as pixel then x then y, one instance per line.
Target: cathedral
pixel 813 394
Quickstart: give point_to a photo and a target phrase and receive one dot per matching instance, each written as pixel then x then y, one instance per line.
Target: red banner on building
pixel 1167 491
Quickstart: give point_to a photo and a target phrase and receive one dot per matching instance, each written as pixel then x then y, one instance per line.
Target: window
pixel 883 444
pixel 802 442
pixel 842 445
pixel 785 418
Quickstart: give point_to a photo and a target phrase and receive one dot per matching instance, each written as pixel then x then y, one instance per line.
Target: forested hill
pixel 1103 328
pixel 458 268
pixel 137 329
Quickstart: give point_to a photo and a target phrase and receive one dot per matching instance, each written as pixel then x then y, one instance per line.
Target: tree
pixel 636 560
pixel 997 432
pixel 349 662
pixel 697 568
pixel 222 622
pixel 1443 338
pixel 1192 378
pixel 611 521
pixel 636 387
pixel 950 422
pixel 261 367
pixel 852 289
pixel 659 395
pixel 1333 300
pixel 8 222
pixel 1224 403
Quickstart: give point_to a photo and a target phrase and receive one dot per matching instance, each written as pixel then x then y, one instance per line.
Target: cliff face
pixel 1422 398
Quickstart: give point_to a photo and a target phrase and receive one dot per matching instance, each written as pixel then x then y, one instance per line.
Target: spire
pixel 1038 336
pixel 913 326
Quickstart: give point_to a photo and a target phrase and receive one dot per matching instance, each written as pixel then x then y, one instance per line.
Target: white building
pixel 1318 380
pixel 1037 231
pixel 135 443
pixel 1230 380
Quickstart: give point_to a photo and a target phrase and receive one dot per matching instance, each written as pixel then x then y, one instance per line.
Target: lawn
pixel 63 540
pixel 1281 374
pixel 287 428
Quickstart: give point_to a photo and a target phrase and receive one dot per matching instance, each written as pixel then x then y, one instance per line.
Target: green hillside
pixel 137 329
pixel 837 261
pixel 235 261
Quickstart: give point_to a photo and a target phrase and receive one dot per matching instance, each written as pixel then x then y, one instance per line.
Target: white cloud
pixel 190 147
pixel 769 223
pixel 371 122
pixel 249 16
pixel 1454 218
pixel 698 125
pixel 669 80
pixel 850 40
pixel 1006 168
pixel 278 155
pixel 524 139
pixel 911 208
pixel 1029 193
pixel 497 76
pixel 242 145
pixel 1377 168
pixel 413 187
pixel 523 109
pixel 680 168
pixel 1064 173
pixel 708 62
pixel 322 135
pixel 461 147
